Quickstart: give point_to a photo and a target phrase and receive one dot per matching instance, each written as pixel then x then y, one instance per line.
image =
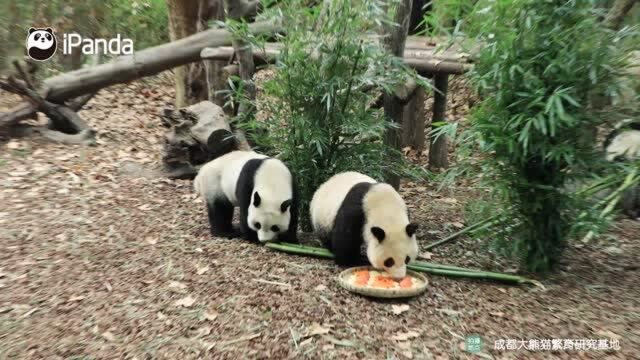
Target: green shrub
pixel 543 71
pixel 319 118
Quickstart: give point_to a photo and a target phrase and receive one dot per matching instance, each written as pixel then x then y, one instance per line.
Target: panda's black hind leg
pixel 220 218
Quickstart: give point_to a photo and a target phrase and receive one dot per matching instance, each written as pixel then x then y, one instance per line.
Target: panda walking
pixel 262 187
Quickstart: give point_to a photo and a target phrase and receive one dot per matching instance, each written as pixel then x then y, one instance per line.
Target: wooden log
pixel 394 40
pixel 143 63
pixel 438 151
pixel 197 134
pixel 423 61
pixel 20 112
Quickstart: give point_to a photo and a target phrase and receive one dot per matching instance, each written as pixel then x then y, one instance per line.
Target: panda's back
pixel 331 195
pixel 221 175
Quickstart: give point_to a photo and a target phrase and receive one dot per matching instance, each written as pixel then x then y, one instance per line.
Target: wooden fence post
pixel 438 150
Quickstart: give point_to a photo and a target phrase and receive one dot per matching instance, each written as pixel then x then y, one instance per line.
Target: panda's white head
pixel 268 217
pixel 623 145
pixel 389 236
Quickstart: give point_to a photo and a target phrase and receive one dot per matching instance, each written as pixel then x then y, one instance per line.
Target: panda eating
pixel 350 209
pixel 41 44
pixel 262 187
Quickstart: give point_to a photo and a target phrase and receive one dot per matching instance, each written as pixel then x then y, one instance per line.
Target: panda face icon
pixel 41 44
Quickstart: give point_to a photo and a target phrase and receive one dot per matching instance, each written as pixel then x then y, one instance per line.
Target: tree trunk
pixel 394 40
pixel 615 16
pixel 183 17
pixel 213 68
pixel 414 119
pixel 438 151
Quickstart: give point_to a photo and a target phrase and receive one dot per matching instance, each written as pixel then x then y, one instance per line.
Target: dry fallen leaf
pixel 75 298
pixel 458 225
pixel 328 347
pixel 317 329
pixel 321 287
pixel 177 286
pixel 425 255
pixel 306 342
pixel 108 336
pixel 609 334
pixel 399 309
pixel 161 316
pixel 408 354
pixel 203 331
pixel 201 270
pixel 404 336
pixel 497 313
pixel 185 302
pixel 151 240
pixel 448 200
pixel 210 315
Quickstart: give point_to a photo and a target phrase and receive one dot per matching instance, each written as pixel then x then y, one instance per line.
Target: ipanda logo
pixel 42 44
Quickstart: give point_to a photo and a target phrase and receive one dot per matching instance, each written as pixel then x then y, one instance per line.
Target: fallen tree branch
pixel 142 63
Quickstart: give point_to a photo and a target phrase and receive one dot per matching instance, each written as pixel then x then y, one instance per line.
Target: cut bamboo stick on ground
pixel 419 266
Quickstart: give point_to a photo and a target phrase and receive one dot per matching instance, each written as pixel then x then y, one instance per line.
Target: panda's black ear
pixel 378 233
pixel 285 205
pixel 411 229
pixel 49 30
pixel 31 30
pixel 256 199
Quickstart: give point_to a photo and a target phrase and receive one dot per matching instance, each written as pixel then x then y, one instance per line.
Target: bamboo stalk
pixel 463 231
pixel 301 249
pixel 420 266
pixel 486 275
pixel 613 199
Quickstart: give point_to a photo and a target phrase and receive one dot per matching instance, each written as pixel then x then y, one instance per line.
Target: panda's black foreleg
pixel 247 232
pixel 346 241
pixel 220 218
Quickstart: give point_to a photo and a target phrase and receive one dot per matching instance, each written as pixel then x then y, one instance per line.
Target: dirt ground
pixel 99 265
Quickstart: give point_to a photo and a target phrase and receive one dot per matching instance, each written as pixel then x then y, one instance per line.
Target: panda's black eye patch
pixel 274 228
pixel 389 262
pixel 37 37
pixel 48 36
pixel 257 225
pixel 407 259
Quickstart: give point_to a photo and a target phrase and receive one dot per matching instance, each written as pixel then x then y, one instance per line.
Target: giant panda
pixel 262 187
pixel 623 144
pixel 351 209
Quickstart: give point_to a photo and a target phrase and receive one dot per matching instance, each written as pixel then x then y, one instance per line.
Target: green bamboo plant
pixel 543 71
